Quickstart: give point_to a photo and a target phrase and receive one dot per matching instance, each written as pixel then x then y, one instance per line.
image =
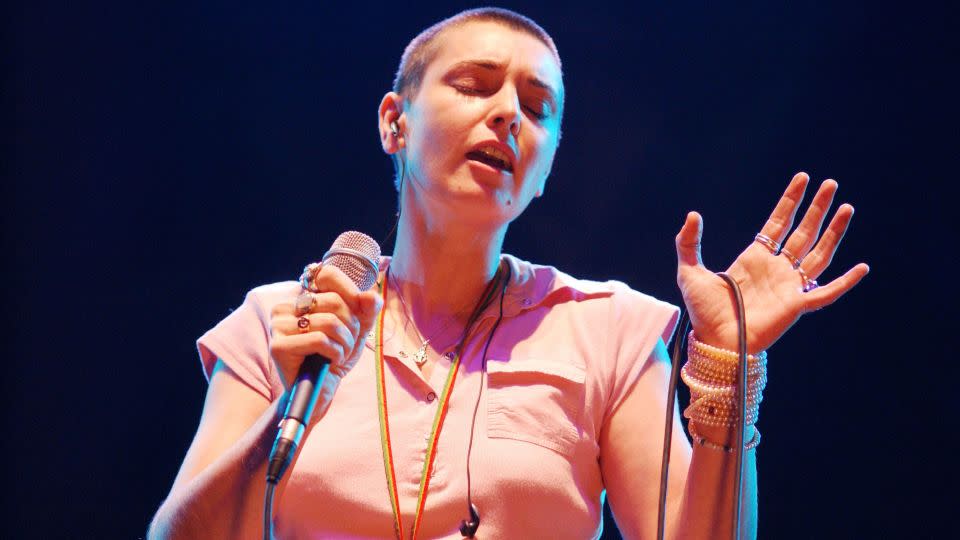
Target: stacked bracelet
pixel 711 374
pixel 703 441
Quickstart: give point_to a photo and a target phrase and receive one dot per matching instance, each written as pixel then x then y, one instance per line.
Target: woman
pixel 511 385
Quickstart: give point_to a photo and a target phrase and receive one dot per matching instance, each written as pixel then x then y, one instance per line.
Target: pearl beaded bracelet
pixel 723 355
pixel 711 375
pixel 704 442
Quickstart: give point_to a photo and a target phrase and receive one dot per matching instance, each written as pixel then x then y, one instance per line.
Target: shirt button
pixel 431 396
pixel 526 302
pixel 450 355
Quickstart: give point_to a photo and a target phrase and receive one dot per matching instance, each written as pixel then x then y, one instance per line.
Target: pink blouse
pixel 563 358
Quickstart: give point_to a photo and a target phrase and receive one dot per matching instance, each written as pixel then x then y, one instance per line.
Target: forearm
pixel 225 500
pixel 706 508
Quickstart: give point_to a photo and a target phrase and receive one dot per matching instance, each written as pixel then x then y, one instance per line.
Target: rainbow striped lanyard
pixel 439 417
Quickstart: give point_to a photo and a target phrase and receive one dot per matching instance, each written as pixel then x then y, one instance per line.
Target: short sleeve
pixel 637 321
pixel 242 340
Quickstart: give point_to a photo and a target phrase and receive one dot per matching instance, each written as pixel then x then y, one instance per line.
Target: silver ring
pixel 305 303
pixel 767 242
pixel 795 261
pixel 309 274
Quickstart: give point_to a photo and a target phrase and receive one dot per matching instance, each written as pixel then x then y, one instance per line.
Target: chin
pixel 480 203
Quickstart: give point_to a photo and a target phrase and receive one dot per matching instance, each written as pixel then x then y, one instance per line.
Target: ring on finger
pixel 305 303
pixel 794 260
pixel 303 323
pixel 309 274
pixel 808 284
pixel 767 242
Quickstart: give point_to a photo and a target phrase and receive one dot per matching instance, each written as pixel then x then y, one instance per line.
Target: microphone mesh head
pixel 356 255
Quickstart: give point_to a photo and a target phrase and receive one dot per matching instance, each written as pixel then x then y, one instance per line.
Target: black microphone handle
pixel 306 388
pixel 303 399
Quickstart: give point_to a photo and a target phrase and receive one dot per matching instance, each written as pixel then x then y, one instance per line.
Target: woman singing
pixel 466 374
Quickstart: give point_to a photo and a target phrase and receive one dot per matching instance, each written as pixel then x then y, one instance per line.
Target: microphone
pixel 356 255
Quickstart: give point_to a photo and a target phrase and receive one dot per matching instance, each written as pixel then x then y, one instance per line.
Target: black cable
pixel 474 514
pixel 668 424
pixel 740 398
pixel 396 223
pixel 268 512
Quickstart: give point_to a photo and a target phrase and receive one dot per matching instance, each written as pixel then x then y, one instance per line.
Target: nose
pixel 506 112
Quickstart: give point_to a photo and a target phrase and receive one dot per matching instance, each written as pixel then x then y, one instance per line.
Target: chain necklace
pixel 420 357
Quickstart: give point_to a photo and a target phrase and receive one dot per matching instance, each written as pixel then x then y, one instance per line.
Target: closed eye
pixel 535 113
pixel 468 89
pixel 540 113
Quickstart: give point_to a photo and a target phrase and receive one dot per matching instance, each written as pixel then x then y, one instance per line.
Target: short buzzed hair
pixel 423 49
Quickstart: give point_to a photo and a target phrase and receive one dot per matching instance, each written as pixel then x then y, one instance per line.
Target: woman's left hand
pixel 773 290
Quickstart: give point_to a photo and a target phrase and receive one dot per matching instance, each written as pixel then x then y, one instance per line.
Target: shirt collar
pixel 532 284
pixel 530 287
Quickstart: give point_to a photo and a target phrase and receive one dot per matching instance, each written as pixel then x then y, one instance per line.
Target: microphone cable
pixel 268 512
pixel 396 222
pixel 741 405
pixel 469 528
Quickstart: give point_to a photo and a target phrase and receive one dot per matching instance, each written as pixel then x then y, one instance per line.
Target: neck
pixel 442 269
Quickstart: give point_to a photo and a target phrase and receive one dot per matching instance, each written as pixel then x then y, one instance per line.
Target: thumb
pixel 688 241
pixel 369 304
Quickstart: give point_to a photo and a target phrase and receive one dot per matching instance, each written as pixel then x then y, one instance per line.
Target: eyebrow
pixel 492 65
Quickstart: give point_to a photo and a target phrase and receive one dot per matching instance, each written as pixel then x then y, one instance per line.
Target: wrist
pixel 723 435
pixel 723 439
pixel 718 337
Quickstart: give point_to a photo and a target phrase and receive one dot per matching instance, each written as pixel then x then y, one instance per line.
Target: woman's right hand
pixel 340 320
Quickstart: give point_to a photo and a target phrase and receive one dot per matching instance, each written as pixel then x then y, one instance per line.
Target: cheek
pixel 539 165
pixel 437 137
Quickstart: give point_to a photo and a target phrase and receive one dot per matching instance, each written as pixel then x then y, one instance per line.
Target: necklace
pixel 420 357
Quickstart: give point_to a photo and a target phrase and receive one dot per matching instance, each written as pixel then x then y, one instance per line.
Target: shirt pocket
pixel 536 401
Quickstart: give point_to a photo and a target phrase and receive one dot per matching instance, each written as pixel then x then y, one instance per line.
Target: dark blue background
pixel 166 157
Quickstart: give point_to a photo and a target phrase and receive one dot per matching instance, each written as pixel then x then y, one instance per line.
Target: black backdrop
pixel 166 157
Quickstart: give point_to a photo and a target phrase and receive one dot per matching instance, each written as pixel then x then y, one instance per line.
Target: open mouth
pixel 492 157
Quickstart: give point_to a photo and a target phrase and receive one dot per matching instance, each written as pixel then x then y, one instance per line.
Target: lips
pixel 494 154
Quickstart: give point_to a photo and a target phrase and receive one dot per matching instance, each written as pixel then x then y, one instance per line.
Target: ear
pixel 389 115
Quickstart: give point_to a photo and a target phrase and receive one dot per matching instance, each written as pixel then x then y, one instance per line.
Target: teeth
pixel 495 153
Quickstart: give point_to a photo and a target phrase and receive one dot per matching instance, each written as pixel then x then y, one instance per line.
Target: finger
pixel 283 317
pixel 807 232
pixel 302 345
pixel 329 302
pixel 822 255
pixel 370 302
pixel 827 294
pixel 332 279
pixel 321 323
pixel 328 323
pixel 282 309
pixel 781 219
pixel 688 241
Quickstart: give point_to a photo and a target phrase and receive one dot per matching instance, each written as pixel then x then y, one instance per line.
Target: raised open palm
pixel 775 291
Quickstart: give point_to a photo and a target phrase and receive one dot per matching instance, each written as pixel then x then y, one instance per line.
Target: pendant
pixel 420 358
